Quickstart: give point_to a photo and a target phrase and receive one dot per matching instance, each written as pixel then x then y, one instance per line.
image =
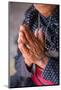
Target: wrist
pixel 42 63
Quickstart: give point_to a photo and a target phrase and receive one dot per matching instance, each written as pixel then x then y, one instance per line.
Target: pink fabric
pixel 39 79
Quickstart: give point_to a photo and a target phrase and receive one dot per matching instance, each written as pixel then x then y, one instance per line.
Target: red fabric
pixel 39 79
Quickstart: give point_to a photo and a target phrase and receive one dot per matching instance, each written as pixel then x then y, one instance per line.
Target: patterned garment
pixel 51 71
pixel 49 76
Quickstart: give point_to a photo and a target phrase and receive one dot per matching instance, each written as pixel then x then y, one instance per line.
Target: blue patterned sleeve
pixel 51 71
pixel 30 16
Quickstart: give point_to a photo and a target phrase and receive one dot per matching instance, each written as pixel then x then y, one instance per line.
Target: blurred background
pixel 16 16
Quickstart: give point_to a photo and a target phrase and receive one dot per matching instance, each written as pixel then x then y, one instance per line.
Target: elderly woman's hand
pixel 32 46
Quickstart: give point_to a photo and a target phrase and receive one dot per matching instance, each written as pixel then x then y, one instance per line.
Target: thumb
pixel 41 36
pixel 36 33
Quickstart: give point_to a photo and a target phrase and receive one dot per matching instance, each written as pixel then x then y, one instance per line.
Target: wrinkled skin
pixel 32 46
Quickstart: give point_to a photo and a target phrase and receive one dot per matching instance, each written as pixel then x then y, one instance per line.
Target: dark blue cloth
pixel 51 71
pixel 20 81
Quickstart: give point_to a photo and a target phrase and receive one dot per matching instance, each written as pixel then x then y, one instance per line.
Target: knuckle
pixel 22 28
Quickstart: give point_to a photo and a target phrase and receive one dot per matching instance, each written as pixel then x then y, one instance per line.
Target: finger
pixel 41 36
pixel 23 49
pixel 22 38
pixel 28 34
pixel 38 38
pixel 19 37
pixel 36 33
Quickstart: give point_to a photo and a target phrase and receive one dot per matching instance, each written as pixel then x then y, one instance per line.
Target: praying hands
pixel 32 46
